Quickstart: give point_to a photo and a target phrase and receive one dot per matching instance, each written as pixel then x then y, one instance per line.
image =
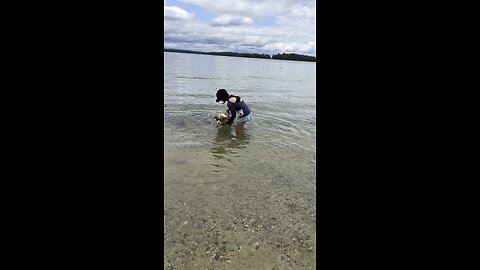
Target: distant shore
pixel 283 56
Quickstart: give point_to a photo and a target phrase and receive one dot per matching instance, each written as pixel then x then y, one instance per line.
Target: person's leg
pixel 239 125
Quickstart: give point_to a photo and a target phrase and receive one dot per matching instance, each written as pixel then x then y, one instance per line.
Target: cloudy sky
pixel 256 26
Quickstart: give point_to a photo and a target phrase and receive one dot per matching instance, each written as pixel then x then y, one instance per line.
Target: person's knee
pixel 239 125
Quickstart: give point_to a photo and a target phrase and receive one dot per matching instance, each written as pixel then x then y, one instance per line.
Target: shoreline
pixel 248 55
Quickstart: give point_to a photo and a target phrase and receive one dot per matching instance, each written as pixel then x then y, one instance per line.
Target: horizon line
pixel 236 52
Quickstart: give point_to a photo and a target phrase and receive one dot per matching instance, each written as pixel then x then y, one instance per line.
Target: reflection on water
pixel 227 145
pixel 226 142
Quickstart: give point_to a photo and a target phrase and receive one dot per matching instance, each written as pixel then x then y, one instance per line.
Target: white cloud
pixel 292 47
pixel 291 30
pixel 247 7
pixel 176 13
pixel 228 20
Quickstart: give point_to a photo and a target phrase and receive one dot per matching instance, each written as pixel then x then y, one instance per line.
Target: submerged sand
pixel 266 221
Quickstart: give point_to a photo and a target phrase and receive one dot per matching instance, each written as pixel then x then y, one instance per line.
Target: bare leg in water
pixel 239 126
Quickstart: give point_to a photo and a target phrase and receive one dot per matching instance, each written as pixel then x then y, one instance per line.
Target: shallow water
pixel 239 200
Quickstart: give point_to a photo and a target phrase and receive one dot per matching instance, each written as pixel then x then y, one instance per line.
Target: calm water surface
pixel 239 200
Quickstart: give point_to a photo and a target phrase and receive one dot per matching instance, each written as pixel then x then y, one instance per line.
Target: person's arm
pixel 232 115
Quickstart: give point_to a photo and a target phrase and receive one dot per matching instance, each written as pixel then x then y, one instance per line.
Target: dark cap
pixel 222 95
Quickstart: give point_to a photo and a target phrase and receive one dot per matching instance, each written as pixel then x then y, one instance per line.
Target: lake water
pixel 247 199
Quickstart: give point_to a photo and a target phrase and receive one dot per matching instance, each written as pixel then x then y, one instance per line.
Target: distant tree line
pixel 284 56
pixel 294 57
pixel 249 55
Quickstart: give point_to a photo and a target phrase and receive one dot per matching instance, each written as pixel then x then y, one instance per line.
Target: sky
pixel 245 26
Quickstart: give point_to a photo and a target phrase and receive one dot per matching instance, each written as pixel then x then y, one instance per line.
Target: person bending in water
pixel 235 105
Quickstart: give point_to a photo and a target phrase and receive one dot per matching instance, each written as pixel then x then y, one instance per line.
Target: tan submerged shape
pixel 221 118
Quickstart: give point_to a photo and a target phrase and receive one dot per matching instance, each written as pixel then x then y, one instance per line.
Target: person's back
pixel 236 103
